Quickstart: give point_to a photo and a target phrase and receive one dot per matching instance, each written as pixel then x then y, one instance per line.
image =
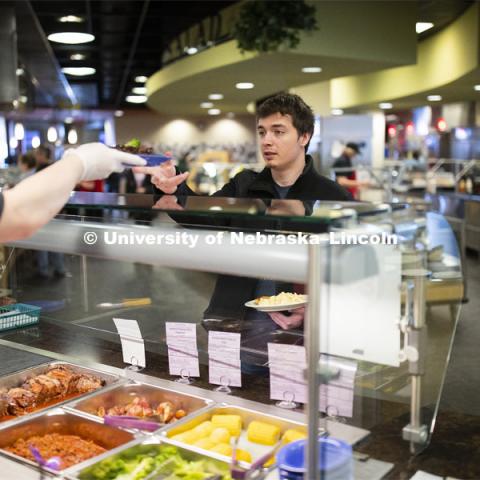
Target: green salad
pixel 150 462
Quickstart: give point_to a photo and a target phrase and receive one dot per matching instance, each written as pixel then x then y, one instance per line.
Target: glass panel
pixel 74 321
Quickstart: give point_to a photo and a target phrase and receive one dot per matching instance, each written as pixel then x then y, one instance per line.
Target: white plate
pixel 275 308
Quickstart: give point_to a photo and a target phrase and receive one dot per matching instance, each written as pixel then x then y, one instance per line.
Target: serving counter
pixel 362 319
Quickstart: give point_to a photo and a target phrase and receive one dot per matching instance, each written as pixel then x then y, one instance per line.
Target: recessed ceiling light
pixel 215 96
pixel 385 105
pixel 191 50
pixel 72 137
pixel 71 19
pixel 421 27
pixel 139 90
pixel 78 56
pixel 336 111
pixel 79 71
pixel 434 98
pixel 214 111
pixel 477 88
pixel 311 69
pixel 244 85
pixel 141 79
pixel 136 98
pixel 119 113
pixel 69 120
pixel 20 71
pixel 36 141
pixel 19 131
pixel 71 38
pixel 52 134
pixel 206 105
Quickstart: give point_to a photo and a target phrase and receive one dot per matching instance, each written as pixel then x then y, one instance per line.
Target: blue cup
pixel 335 460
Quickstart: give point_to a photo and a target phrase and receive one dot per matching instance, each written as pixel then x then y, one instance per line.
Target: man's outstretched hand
pixel 164 176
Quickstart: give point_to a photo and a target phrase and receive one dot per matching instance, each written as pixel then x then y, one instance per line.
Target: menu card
pixel 133 346
pixel 182 349
pixel 287 381
pixel 224 359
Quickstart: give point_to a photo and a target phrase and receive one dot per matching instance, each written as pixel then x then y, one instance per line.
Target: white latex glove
pixel 99 161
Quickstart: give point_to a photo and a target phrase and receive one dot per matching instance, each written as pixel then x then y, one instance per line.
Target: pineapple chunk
pixel 204 443
pixel 291 435
pixel 263 433
pixel 220 435
pixel 186 437
pixel 233 423
pixel 243 456
pixel 203 430
pixel 222 449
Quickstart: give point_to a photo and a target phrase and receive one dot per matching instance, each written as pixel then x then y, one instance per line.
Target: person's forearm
pixel 33 202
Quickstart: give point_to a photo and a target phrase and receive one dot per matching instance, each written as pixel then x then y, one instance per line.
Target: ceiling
pixel 130 37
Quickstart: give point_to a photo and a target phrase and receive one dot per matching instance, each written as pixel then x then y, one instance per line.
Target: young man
pixel 285 126
pixel 34 201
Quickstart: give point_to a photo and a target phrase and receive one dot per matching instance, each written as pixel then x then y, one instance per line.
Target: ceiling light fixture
pixel 434 98
pixel 477 88
pixel 20 71
pixel 336 111
pixel 214 111
pixel 79 71
pixel 136 98
pixel 19 131
pixel 71 19
pixel 215 96
pixel 206 105
pixel 141 79
pixel 36 141
pixel 191 50
pixel 23 98
pixel 244 85
pixel 421 27
pixel 52 134
pixel 119 113
pixel 71 38
pixel 78 56
pixel 311 69
pixel 72 137
pixel 139 90
pixel 385 105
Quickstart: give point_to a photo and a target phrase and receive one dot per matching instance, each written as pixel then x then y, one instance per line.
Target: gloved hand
pixel 99 161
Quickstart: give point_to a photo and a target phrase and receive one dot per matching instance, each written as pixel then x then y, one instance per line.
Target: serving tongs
pixel 132 422
pixel 127 302
pixel 256 471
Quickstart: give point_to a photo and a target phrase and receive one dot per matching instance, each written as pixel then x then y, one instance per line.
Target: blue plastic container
pixel 335 460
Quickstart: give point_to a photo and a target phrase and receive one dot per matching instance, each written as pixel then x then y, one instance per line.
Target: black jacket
pixel 309 186
pixel 231 293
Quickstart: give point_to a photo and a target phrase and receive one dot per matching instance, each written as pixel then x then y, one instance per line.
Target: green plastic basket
pixel 18 315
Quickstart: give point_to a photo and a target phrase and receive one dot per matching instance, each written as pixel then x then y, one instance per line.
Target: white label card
pixel 182 334
pixel 183 363
pixel 133 346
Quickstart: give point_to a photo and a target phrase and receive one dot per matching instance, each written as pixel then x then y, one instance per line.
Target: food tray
pixel 18 315
pixel 124 394
pixel 146 448
pixel 18 378
pixel 65 423
pixel 246 415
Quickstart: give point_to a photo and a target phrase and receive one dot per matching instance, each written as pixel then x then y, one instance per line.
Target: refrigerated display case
pixel 366 315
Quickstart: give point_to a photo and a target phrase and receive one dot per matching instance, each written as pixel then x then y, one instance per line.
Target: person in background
pixel 43 157
pixel 348 178
pixel 35 201
pixel 27 165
